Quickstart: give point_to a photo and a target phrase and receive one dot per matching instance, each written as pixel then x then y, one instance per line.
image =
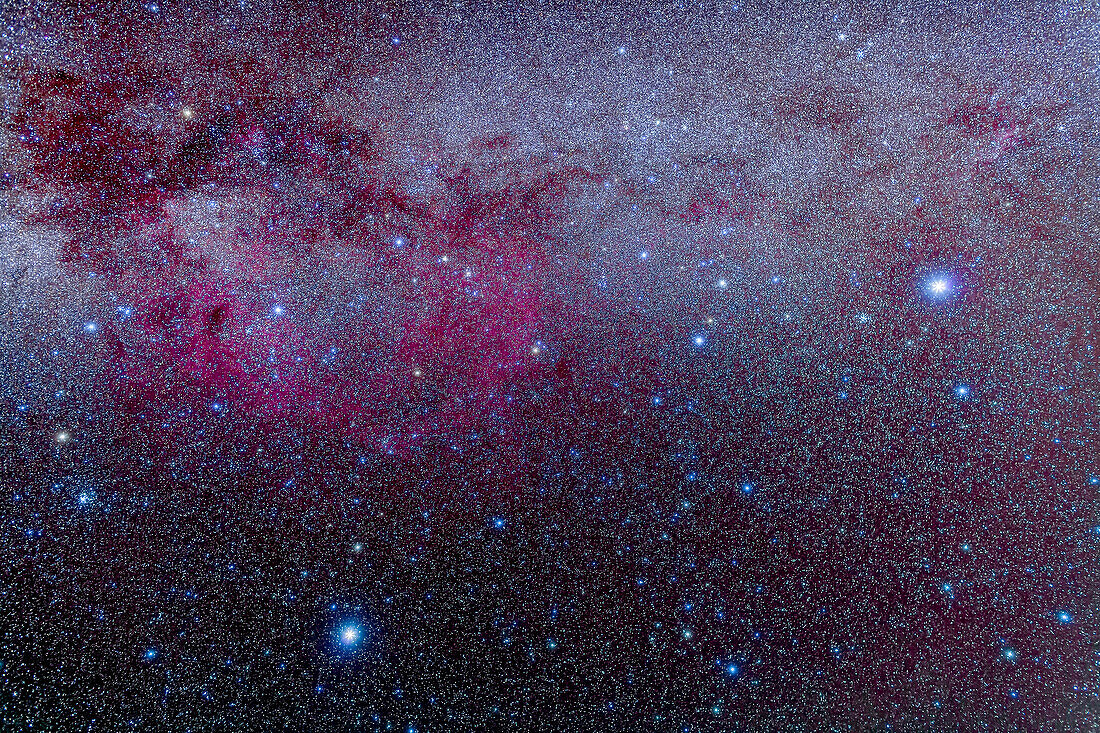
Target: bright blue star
pixel 1064 617
pixel 350 635
pixel 700 340
pixel 938 286
pixel 962 391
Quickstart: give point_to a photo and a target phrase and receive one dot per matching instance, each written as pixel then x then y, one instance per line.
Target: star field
pixel 538 367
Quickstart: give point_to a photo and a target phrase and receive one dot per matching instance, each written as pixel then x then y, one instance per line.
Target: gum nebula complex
pixel 447 367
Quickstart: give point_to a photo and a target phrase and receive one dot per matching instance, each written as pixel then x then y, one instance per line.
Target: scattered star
pixel 452 368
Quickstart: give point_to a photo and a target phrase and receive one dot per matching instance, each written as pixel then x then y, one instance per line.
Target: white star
pixel 349 634
pixel 939 286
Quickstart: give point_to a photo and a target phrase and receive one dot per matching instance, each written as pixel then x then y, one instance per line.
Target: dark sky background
pixel 651 368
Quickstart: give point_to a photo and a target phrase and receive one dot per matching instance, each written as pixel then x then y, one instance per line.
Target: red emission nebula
pixel 282 192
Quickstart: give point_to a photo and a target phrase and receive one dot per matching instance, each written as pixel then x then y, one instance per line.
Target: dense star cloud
pixel 446 367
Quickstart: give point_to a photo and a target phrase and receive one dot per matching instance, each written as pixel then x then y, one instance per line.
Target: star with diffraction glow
pixel 350 635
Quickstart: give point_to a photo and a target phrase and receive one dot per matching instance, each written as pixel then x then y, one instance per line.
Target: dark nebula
pixel 448 367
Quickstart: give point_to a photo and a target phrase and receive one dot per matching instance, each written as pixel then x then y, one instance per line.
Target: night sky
pixel 657 367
